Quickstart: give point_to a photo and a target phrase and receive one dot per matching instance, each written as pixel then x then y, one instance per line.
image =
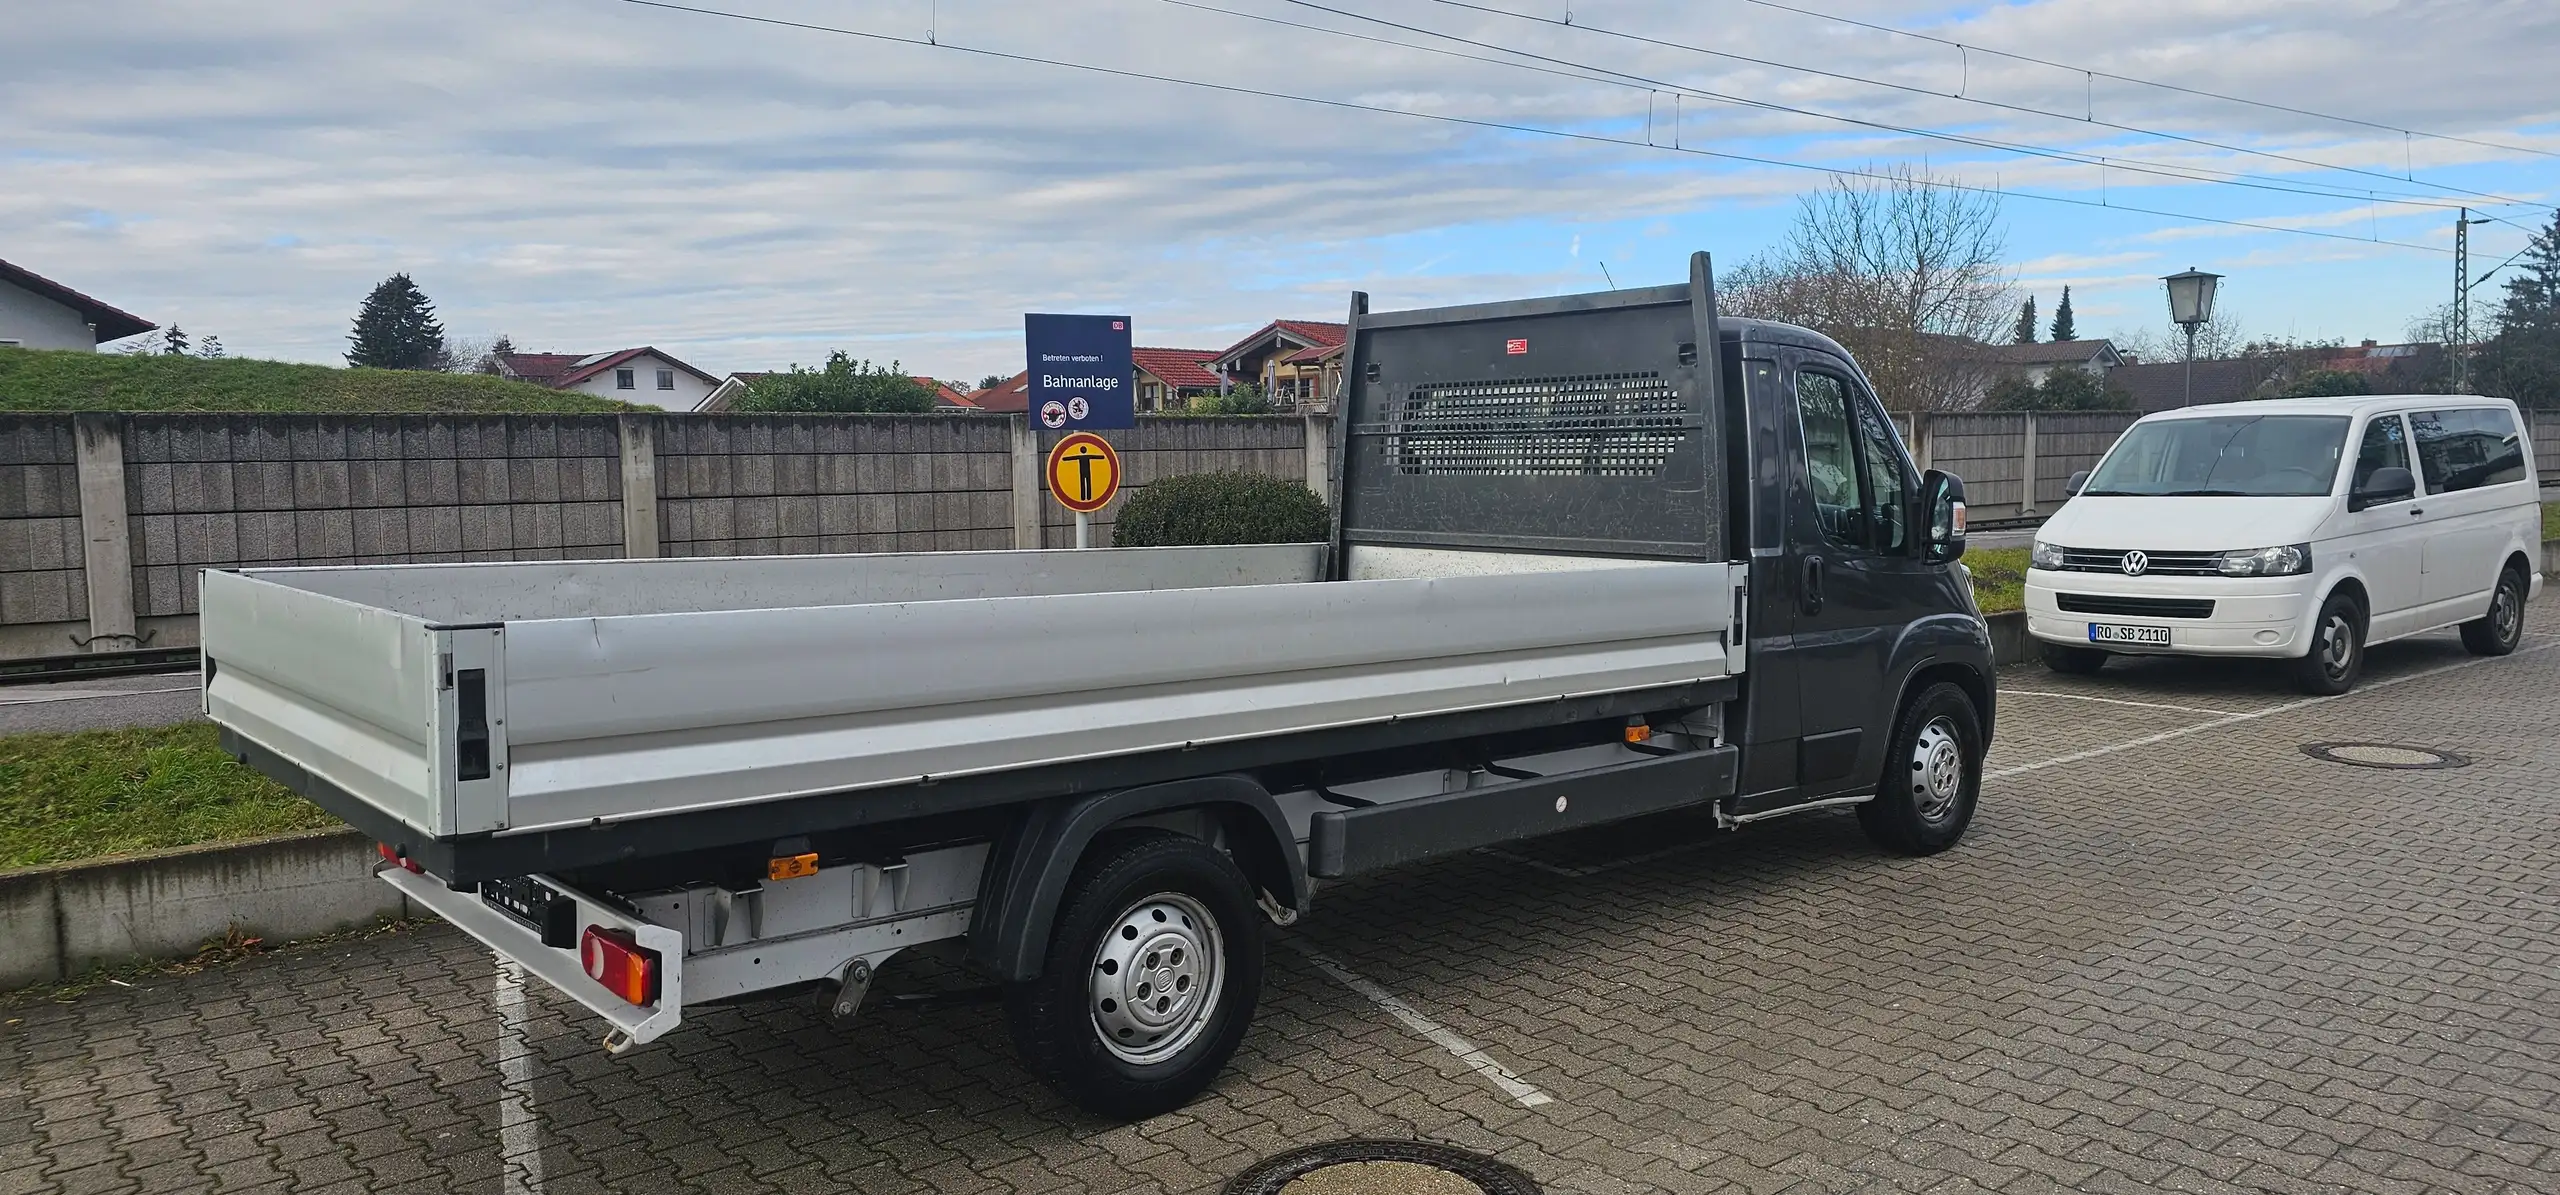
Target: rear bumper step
pixel 1353 841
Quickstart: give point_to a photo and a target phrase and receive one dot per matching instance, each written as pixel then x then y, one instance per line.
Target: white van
pixel 2301 529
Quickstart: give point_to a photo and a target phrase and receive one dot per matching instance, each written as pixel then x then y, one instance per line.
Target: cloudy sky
pixel 591 174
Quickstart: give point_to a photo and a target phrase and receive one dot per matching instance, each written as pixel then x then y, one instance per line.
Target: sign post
pixel 1080 375
pixel 1084 475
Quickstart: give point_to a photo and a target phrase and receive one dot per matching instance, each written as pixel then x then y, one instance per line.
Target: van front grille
pixel 2137 607
pixel 2164 564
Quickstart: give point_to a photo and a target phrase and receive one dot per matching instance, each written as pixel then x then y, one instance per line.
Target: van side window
pixel 2385 446
pixel 2466 449
pixel 1840 499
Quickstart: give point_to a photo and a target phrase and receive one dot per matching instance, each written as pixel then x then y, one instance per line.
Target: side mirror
pixel 2390 483
pixel 1942 495
pixel 2071 488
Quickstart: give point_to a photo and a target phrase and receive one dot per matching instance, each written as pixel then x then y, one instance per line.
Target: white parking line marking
pixel 1465 1051
pixel 2148 705
pixel 519 1133
pixel 2235 719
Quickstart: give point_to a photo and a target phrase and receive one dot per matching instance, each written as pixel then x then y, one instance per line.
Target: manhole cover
pixel 1382 1167
pixel 2395 756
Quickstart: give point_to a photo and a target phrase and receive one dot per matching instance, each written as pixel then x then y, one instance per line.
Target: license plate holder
pixel 538 906
pixel 2128 635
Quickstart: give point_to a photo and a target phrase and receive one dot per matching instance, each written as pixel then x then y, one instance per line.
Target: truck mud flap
pixel 1353 841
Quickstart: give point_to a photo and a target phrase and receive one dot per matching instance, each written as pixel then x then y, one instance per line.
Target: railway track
pixel 36 670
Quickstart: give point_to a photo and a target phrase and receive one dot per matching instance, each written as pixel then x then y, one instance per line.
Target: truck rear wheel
pixel 1932 775
pixel 1150 980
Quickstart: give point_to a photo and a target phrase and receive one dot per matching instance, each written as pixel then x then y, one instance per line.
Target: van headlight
pixel 2044 555
pixel 2267 562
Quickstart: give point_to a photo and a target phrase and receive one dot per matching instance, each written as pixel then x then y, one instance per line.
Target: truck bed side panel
pixel 624 717
pixel 347 692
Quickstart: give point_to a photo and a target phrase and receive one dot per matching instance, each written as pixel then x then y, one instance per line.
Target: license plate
pixel 2108 632
pixel 537 905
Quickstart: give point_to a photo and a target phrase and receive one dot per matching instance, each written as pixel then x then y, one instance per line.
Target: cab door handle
pixel 1809 594
pixel 2414 512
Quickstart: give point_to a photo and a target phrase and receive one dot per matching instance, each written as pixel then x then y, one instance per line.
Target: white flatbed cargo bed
pixel 608 691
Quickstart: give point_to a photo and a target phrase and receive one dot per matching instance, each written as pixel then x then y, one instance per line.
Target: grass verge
pixel 41 380
pixel 2551 520
pixel 97 793
pixel 1999 578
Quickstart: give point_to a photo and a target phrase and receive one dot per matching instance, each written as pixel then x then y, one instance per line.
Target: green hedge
pixel 1222 508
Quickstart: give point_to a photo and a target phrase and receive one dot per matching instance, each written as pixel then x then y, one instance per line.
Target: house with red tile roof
pixel 643 376
pixel 1169 378
pixel 1298 363
pixel 1011 396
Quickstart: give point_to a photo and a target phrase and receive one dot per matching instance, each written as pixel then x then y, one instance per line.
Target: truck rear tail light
pixel 391 854
pixel 623 966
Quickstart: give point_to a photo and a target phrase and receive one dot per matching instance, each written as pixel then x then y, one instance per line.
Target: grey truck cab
pixel 1594 557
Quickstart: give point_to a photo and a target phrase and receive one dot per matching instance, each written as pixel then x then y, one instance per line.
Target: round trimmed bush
pixel 1221 508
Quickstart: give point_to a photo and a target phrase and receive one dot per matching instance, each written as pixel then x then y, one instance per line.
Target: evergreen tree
pixel 397 329
pixel 2062 327
pixel 2026 329
pixel 174 341
pixel 210 349
pixel 2522 361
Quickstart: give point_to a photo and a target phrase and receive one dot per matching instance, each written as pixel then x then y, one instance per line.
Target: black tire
pixel 1125 883
pixel 1932 775
pixel 2075 661
pixel 2335 657
pixel 2502 628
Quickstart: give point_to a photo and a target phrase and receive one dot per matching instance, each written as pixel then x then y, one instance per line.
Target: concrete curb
pixel 2010 643
pixel 56 922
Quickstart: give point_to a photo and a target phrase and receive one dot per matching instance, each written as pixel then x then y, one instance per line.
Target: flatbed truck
pixel 1593 557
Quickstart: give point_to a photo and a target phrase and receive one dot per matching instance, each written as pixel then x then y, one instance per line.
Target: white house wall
pixel 36 322
pixel 688 394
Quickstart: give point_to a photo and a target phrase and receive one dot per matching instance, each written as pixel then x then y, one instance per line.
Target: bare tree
pixel 2217 339
pixel 1901 269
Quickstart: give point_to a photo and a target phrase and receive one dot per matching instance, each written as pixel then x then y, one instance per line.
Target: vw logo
pixel 2135 563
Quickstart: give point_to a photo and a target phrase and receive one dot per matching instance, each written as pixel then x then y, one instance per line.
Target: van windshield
pixel 2234 456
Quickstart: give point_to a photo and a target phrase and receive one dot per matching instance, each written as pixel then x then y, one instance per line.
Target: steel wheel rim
pixel 1156 978
pixel 2505 611
pixel 1937 769
pixel 2337 644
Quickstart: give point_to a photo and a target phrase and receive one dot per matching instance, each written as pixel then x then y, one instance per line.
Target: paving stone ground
pixel 2186 957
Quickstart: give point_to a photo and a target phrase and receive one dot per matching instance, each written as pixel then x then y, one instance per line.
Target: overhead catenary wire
pixel 2031 110
pixel 2093 73
pixel 1586 71
pixel 1479 122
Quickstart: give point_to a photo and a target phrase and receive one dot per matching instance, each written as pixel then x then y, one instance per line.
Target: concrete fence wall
pixel 107 520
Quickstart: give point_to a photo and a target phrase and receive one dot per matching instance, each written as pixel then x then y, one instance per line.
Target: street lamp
pixel 2191 307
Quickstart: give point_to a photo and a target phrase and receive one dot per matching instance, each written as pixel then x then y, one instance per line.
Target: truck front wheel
pixel 1932 775
pixel 1150 981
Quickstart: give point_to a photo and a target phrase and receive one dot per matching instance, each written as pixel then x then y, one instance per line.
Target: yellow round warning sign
pixel 1084 472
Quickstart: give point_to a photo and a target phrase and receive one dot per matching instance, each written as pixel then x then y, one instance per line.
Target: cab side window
pixel 2384 447
pixel 1879 446
pixel 1840 500
pixel 2467 449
